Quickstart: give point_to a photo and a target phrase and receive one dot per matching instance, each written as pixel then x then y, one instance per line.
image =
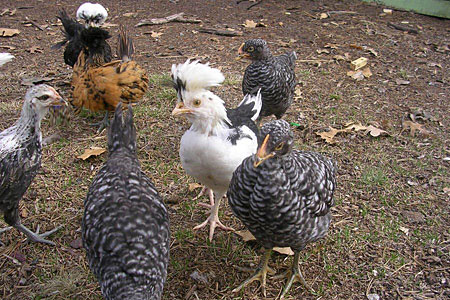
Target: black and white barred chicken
pixel 20 155
pixel 283 197
pixel 219 138
pixel 274 75
pixel 125 227
pixel 93 15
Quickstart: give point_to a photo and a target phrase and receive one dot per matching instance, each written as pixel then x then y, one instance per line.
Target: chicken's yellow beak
pixel 241 53
pixel 262 155
pixel 180 109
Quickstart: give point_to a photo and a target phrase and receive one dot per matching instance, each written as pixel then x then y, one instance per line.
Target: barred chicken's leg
pixel 103 123
pixel 260 274
pixel 36 237
pixel 294 274
pixel 213 219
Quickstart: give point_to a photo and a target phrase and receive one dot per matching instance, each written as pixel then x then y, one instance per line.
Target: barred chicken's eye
pixel 280 146
pixel 250 49
pixel 197 102
pixel 43 97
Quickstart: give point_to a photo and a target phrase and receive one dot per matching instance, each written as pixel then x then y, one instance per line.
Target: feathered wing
pixel 125 227
pixel 71 30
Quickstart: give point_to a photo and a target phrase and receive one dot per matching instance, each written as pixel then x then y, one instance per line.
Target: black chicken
pixel 125 226
pixel 274 75
pixel 72 30
pixel 20 154
pixel 283 196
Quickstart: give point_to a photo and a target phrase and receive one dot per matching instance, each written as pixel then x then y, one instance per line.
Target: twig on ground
pixel 403 28
pixel 220 32
pixel 172 18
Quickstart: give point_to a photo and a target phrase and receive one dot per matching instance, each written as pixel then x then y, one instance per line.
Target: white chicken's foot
pixel 213 220
pixel 211 198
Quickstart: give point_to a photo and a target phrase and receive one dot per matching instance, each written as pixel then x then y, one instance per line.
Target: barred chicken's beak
pixel 261 155
pixel 241 53
pixel 58 101
pixel 180 109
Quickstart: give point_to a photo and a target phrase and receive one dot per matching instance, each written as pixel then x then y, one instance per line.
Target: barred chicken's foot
pixel 260 274
pixel 293 275
pixel 35 236
pixel 103 123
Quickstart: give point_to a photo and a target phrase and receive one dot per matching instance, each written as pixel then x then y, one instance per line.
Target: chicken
pixel 283 197
pixel 219 138
pixel 274 75
pixel 5 57
pixel 125 226
pixel 93 15
pixel 100 86
pixel 20 155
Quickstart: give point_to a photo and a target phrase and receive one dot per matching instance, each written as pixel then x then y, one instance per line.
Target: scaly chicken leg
pixel 260 274
pixel 293 275
pixel 103 123
pixel 213 218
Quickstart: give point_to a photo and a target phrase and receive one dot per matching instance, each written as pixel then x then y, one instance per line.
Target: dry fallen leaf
pixel 7 32
pixel 413 127
pixel 284 250
pixel 108 25
pixel 329 135
pixel 156 34
pixel 193 186
pixel 245 235
pixel 366 72
pixel 24 212
pixel 130 14
pixel 90 152
pixel 250 24
pixel 320 51
pixel 358 75
pixel 375 131
pixel 34 49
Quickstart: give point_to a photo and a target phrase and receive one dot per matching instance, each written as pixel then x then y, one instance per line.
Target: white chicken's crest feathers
pixel 91 10
pixel 5 57
pixel 193 76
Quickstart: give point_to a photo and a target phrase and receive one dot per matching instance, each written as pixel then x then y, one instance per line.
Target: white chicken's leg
pixel 213 218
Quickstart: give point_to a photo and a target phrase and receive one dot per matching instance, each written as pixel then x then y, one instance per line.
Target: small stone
pixel 373 297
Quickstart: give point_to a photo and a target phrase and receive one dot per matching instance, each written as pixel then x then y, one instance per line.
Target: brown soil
pixel 390 229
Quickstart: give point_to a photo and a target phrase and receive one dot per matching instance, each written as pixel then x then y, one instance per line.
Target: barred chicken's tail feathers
pixel 122 134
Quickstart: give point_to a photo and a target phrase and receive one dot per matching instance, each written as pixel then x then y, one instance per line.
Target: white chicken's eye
pixel 280 146
pixel 197 102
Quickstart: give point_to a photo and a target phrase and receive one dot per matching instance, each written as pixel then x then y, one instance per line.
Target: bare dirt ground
pixel 390 234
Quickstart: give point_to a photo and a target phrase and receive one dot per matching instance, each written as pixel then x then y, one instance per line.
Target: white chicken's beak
pixel 180 109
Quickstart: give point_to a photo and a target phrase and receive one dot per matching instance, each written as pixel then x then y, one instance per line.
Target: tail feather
pixel 253 101
pixel 126 47
pixel 122 134
pixel 71 28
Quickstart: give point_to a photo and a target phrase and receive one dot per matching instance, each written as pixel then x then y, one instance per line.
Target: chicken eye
pixel 280 146
pixel 197 102
pixel 250 49
pixel 43 97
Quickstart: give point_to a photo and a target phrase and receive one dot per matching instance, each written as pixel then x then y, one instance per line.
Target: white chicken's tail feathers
pixel 194 75
pixel 5 57
pixel 256 100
